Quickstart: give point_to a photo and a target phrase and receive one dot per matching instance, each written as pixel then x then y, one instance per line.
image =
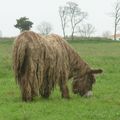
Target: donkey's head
pixel 83 85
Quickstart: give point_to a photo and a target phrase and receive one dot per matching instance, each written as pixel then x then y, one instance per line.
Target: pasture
pixel 103 105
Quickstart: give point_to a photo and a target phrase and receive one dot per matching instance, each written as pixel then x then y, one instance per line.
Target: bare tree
pixel 106 34
pixel 63 12
pixel 86 30
pixel 44 28
pixel 76 16
pixel 116 16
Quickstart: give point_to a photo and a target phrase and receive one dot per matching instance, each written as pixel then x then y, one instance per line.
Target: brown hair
pixel 40 63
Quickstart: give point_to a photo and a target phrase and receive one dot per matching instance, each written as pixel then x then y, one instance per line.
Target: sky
pixel 47 10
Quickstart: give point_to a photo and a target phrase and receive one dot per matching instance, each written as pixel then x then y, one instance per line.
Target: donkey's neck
pixel 78 66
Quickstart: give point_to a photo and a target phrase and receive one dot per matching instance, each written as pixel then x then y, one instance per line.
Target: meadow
pixel 103 105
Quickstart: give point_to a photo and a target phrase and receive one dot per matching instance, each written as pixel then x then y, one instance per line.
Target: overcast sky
pixel 47 10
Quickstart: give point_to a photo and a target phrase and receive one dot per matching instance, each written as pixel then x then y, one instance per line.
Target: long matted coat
pixel 42 62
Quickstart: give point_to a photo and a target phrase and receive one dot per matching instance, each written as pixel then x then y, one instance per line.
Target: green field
pixel 103 105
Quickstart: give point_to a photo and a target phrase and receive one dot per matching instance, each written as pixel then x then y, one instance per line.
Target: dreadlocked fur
pixel 41 62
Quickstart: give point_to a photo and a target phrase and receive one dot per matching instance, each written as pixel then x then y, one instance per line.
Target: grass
pixel 104 105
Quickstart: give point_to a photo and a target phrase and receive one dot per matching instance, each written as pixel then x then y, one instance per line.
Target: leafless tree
pixel 116 16
pixel 106 34
pixel 76 16
pixel 44 28
pixel 63 12
pixel 86 30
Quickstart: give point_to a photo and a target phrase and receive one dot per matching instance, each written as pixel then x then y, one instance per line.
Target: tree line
pixel 71 16
pixel 72 19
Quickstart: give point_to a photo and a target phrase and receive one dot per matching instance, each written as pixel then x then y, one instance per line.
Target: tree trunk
pixel 64 32
pixel 115 31
pixel 72 35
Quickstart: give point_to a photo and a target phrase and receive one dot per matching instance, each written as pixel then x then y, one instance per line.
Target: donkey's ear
pixel 96 71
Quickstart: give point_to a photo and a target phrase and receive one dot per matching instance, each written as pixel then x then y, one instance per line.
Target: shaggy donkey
pixel 40 63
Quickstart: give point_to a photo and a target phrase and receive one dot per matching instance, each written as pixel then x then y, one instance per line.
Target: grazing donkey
pixel 42 62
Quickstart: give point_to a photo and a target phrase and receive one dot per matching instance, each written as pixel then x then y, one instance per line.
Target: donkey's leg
pixel 26 92
pixel 45 93
pixel 31 84
pixel 64 90
pixel 34 87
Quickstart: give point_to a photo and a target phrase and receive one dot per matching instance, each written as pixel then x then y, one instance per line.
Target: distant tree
pixel 23 24
pixel 86 30
pixel 106 34
pixel 0 33
pixel 116 16
pixel 76 16
pixel 63 12
pixel 44 28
